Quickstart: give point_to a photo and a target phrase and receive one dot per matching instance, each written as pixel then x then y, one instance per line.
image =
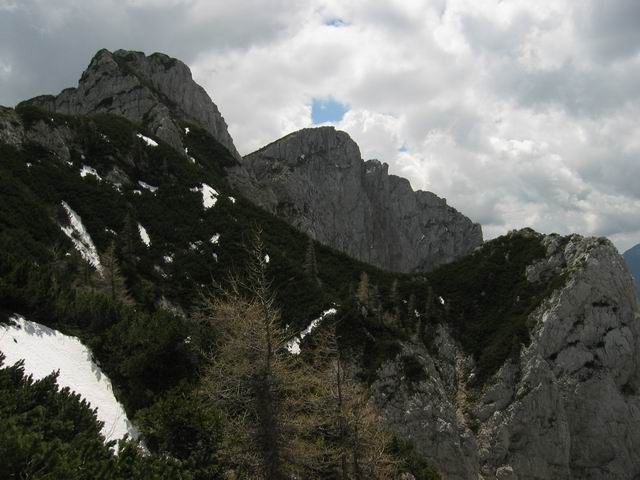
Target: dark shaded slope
pixel 632 259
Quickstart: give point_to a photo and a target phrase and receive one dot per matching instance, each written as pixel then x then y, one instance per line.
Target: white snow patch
pixel 193 160
pixel 144 236
pixel 81 238
pixel 87 170
pixel 137 192
pixel 168 258
pixel 215 239
pixel 267 258
pixel 416 313
pixel 45 350
pixel 293 346
pixel 146 186
pixel 209 195
pixel 147 140
pixel 29 164
pixel 232 199
pixel 441 300
pixel 215 256
pixel 186 130
pixel 159 269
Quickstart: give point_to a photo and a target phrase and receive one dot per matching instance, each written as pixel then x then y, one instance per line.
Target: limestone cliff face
pixel 566 408
pixel 317 181
pixel 155 90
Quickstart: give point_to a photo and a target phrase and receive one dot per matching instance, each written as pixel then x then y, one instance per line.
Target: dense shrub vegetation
pixel 46 432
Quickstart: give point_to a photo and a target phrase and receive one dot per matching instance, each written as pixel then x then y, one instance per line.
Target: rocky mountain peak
pixel 322 146
pixel 154 90
pixel 320 184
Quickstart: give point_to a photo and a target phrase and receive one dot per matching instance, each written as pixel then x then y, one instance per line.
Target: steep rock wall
pixel 320 184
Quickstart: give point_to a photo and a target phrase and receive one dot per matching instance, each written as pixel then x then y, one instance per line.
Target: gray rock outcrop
pixel 11 129
pixel 45 133
pixel 316 180
pixel 567 408
pixel 153 90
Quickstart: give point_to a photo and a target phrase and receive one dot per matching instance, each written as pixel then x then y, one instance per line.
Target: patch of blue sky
pixel 327 110
pixel 335 22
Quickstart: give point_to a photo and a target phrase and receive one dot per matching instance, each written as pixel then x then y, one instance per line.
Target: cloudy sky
pixel 519 112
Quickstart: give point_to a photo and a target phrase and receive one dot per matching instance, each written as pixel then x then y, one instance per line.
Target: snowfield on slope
pixel 209 195
pixel 81 239
pixel 147 140
pixel 87 170
pixel 144 236
pixel 45 350
pixel 146 186
pixel 293 346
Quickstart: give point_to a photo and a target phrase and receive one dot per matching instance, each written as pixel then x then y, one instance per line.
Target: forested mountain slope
pixel 516 361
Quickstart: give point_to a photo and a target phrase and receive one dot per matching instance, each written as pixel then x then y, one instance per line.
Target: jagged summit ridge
pixel 153 90
pixel 321 185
